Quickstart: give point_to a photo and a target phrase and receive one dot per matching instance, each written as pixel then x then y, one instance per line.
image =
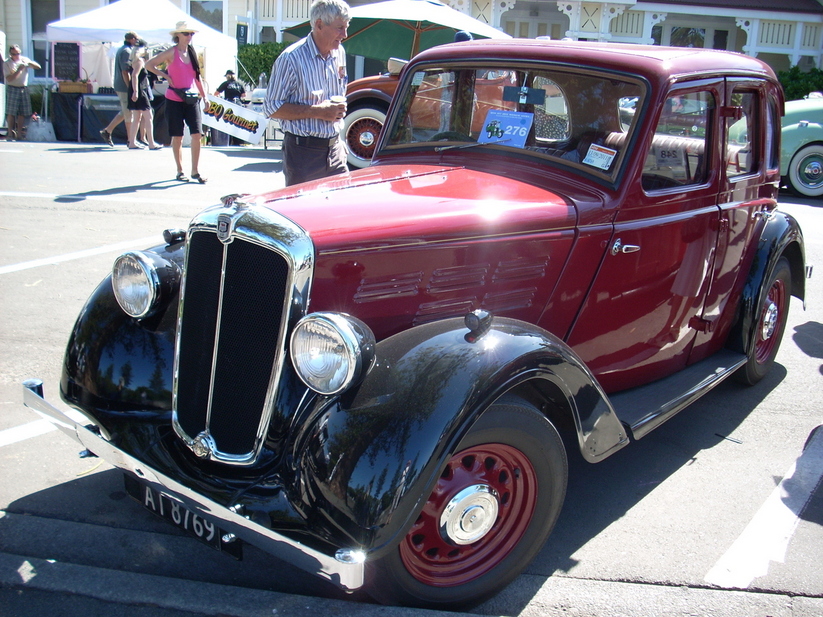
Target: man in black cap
pixel 231 89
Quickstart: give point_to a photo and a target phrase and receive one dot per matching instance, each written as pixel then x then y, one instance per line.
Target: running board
pixel 645 408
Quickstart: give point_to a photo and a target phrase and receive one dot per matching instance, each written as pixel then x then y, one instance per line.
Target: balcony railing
pixel 293 10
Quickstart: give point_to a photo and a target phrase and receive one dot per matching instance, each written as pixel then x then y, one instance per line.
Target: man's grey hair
pixel 327 11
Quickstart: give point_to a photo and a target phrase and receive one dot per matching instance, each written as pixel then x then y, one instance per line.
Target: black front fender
pixel 116 366
pixel 372 458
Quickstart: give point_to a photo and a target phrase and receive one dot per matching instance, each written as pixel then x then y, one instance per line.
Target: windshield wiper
pixel 472 145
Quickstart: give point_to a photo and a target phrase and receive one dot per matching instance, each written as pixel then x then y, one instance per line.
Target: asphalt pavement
pixel 719 512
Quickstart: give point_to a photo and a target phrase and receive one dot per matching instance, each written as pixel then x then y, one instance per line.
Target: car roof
pixel 651 61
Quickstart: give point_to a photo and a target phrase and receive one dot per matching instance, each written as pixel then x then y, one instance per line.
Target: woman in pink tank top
pixel 182 71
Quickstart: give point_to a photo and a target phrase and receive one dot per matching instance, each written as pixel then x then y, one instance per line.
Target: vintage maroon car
pixel 369 375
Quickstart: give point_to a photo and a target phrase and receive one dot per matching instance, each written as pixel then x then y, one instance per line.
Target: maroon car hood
pixel 394 205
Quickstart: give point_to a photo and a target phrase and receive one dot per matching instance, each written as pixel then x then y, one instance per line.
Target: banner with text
pixel 234 119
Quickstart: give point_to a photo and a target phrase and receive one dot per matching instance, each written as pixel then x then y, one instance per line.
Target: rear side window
pixel 772 127
pixel 741 136
pixel 677 155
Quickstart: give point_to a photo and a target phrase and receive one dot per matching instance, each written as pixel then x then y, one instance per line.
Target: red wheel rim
pixel 431 557
pixel 362 137
pixel 772 315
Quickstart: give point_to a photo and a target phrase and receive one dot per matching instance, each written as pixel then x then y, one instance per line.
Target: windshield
pixel 577 117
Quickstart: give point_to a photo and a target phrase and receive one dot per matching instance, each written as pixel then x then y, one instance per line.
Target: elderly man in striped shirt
pixel 307 95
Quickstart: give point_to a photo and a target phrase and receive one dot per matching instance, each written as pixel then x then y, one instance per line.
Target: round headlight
pixel 331 351
pixel 136 284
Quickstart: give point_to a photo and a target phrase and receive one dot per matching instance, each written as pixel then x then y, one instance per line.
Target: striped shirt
pixel 301 75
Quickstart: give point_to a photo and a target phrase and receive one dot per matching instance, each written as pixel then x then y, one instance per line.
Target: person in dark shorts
pixel 182 71
pixel 140 99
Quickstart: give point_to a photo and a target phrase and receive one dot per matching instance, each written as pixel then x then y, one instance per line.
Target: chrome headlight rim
pixel 145 264
pixel 355 345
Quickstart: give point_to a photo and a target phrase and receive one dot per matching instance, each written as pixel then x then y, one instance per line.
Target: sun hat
pixel 182 26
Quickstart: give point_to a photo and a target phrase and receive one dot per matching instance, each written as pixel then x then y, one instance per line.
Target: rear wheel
pixel 362 127
pixel 772 316
pixel 490 513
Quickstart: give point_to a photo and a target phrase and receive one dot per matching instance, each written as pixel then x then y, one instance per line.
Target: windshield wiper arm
pixel 472 145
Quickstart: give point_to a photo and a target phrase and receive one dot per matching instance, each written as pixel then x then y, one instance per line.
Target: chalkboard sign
pixel 66 61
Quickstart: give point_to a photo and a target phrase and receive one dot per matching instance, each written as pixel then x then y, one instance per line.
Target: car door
pixel 637 323
pixel 749 183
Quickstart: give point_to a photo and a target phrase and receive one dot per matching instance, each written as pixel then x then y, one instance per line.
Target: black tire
pixel 510 472
pixel 770 323
pixel 805 175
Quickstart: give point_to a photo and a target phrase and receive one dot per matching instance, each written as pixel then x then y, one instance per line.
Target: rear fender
pixel 370 460
pixel 781 237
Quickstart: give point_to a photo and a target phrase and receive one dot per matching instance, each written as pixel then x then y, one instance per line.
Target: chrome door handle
pixel 619 247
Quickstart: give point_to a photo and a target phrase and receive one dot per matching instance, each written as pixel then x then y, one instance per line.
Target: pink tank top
pixel 182 76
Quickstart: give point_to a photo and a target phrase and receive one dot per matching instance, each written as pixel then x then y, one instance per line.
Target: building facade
pixel 784 38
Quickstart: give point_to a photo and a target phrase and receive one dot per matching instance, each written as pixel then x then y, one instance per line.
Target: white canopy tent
pixel 151 20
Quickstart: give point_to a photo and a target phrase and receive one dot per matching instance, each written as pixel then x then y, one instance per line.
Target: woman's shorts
pixel 179 114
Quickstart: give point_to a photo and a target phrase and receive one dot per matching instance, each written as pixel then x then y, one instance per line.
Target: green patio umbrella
pixel 402 28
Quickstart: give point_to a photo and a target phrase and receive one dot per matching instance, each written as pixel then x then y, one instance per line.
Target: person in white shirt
pixel 18 102
pixel 307 94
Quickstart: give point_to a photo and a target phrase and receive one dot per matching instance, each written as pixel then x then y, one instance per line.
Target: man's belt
pixel 313 142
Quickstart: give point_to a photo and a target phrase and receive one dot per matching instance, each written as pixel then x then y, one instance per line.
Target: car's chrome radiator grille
pixel 228 345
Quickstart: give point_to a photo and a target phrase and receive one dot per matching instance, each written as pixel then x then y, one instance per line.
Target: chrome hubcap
pixel 469 515
pixel 813 171
pixel 367 139
pixel 769 321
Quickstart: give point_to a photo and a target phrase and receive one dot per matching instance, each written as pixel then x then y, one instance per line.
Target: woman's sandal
pixel 199 178
pixel 181 177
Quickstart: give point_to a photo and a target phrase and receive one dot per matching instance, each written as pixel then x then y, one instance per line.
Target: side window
pixel 677 156
pixel 741 136
pixel 772 128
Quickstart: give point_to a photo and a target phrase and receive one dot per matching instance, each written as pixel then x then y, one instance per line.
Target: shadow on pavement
pixel 92 521
pixel 809 338
pixel 600 494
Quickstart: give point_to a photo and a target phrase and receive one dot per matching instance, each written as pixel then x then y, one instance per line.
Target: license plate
pixel 172 510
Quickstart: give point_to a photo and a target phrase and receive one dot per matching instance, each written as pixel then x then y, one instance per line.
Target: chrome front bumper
pixel 345 571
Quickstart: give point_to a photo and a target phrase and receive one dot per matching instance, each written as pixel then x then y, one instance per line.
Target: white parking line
pixel 109 248
pixel 25 431
pixel 767 536
pixel 131 198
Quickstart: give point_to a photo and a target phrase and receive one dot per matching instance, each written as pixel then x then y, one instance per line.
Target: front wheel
pixel 805 177
pixel 491 511
pixel 773 313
